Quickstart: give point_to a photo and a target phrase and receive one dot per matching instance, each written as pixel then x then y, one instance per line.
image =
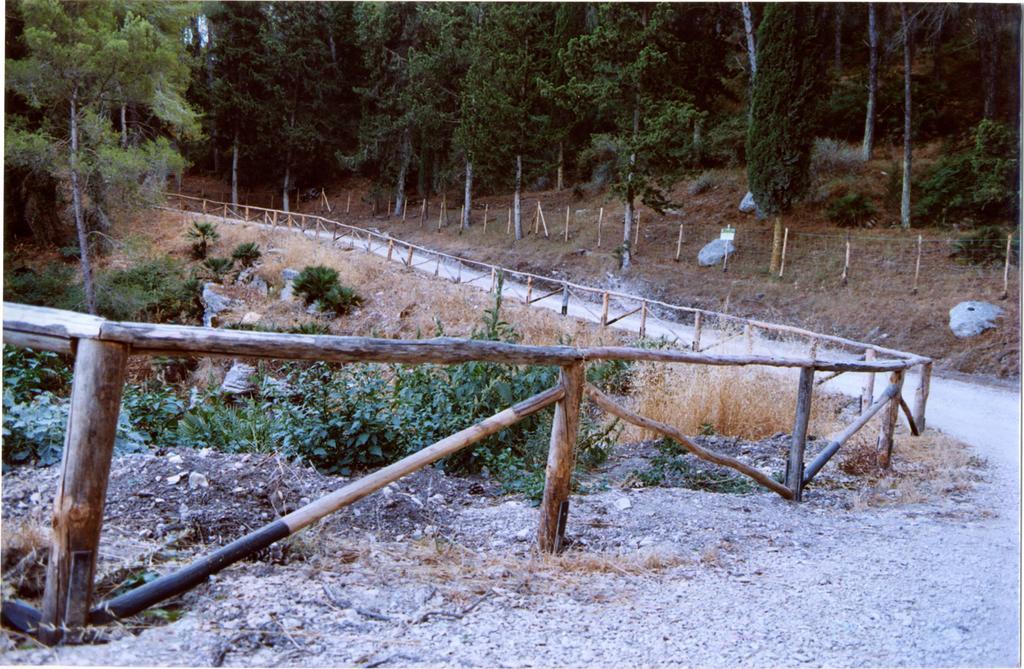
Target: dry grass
pixel 731 401
pixel 24 549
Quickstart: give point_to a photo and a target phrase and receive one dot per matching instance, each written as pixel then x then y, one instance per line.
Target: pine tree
pixel 790 70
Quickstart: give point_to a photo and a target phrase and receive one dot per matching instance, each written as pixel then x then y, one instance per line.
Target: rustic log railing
pixel 102 348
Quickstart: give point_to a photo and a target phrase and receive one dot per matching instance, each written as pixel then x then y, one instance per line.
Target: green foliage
pixel 340 300
pixel 850 210
pixel 53 286
pixel 986 244
pixel 611 376
pixel 247 253
pixel 314 282
pixel 218 268
pixel 28 372
pixel 674 467
pixel 790 67
pixel 155 410
pixel 974 185
pixel 152 291
pixel 202 234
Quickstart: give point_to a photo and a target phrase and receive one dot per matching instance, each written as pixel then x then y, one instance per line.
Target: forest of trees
pixel 105 100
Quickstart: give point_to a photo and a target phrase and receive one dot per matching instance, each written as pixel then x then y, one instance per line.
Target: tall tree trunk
pixel 468 198
pixel 517 209
pixel 214 134
pixel 869 118
pixel 286 186
pixel 986 26
pixel 627 223
pixel 234 170
pixel 748 28
pixel 907 146
pixel 124 125
pixel 76 203
pixel 403 171
pixel 837 13
pixel 776 259
pixel 559 184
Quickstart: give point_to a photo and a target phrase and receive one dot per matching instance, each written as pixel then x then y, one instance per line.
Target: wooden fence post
pixel 391 248
pixel 795 466
pixel 1006 268
pixel 554 508
pixel 643 319
pixel 204 205
pixel 636 233
pixel 348 203
pixel 604 309
pixel 485 218
pixel 782 263
pixel 867 396
pixel 529 290
pixel 225 214
pixel 408 260
pixel 566 237
pixel 921 395
pixel 565 299
pixel 81 493
pixel 889 418
pixel 696 332
pixel 846 262
pixel 508 227
pixel 679 242
pixel 917 266
pixel 600 218
pixel 494 278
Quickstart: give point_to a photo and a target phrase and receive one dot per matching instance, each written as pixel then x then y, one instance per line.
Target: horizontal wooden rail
pixel 55 328
pixel 607 404
pixel 833 445
pixel 764 325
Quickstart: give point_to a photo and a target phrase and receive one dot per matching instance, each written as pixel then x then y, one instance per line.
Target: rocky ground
pixel 872 569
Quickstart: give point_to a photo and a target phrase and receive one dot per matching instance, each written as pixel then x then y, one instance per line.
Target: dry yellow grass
pixel 732 401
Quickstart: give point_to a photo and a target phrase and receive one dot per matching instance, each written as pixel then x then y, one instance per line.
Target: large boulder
pixel 288 290
pixel 238 380
pixel 971 318
pixel 214 303
pixel 747 205
pixel 714 252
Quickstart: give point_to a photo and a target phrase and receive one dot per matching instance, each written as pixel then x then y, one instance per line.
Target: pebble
pixel 197 480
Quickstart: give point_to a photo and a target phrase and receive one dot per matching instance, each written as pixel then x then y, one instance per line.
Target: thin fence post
pixel 529 289
pixel 795 466
pixel 405 209
pixel 696 331
pixel 846 262
pixel 485 218
pixel 1006 267
pixel 225 210
pixel 917 267
pixel 600 218
pixel 437 267
pixel 348 203
pixel 679 243
pixel 565 299
pixel 889 417
pixel 82 489
pixel 643 319
pixel 391 248
pixel 604 309
pixel 566 239
pixel 748 338
pixel 494 277
pixel 636 233
pixel 508 227
pixel 554 508
pixel 204 205
pixel 782 262
pixel 867 396
pixel 408 260
pixel 921 395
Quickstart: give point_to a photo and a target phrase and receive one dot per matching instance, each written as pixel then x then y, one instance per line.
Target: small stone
pixel 623 503
pixel 238 380
pixel 173 480
pixel 175 459
pixel 747 205
pixel 251 318
pixel 197 480
pixel 523 534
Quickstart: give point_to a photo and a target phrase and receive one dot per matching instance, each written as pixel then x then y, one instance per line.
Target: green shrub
pixel 852 209
pixel 154 291
pixel 611 376
pixel 985 244
pixel 314 282
pixel 340 300
pixel 217 268
pixel 973 185
pixel 54 286
pixel 247 254
pixel 28 373
pixel 725 143
pixel 202 234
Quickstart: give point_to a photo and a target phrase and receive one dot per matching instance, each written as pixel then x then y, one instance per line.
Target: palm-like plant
pixel 202 234
pixel 218 267
pixel 247 254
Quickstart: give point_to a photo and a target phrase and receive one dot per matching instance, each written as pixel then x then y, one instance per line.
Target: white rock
pixel 251 318
pixel 523 534
pixel 714 252
pixel 213 303
pixel 197 480
pixel 173 480
pixel 623 503
pixel 238 380
pixel 971 318
pixel 747 205
pixel 174 459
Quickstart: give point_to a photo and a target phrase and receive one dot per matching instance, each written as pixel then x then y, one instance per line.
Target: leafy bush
pixel 247 254
pixel 28 372
pixel 319 284
pixel 202 234
pixel 986 244
pixel 611 376
pixel 53 286
pixel 973 185
pixel 155 290
pixel 725 144
pixel 831 157
pixel 702 184
pixel 218 268
pixel 850 210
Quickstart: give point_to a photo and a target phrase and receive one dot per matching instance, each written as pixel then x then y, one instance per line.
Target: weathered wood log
pixel 621 316
pixel 924 384
pixel 798 440
pixel 910 417
pixel 643 319
pixel 50 322
pixel 546 295
pixel 607 404
pixel 561 460
pixel 37 341
pixel 529 289
pixel 566 239
pixel 600 218
pixel 838 440
pixel 782 261
pixel 917 267
pixel 82 488
pixel 867 395
pixel 679 243
pixel 565 299
pixel 604 309
pixel 196 573
pixel 889 418
pixel 695 346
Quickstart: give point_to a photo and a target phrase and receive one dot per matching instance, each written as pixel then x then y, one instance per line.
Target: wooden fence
pixel 102 348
